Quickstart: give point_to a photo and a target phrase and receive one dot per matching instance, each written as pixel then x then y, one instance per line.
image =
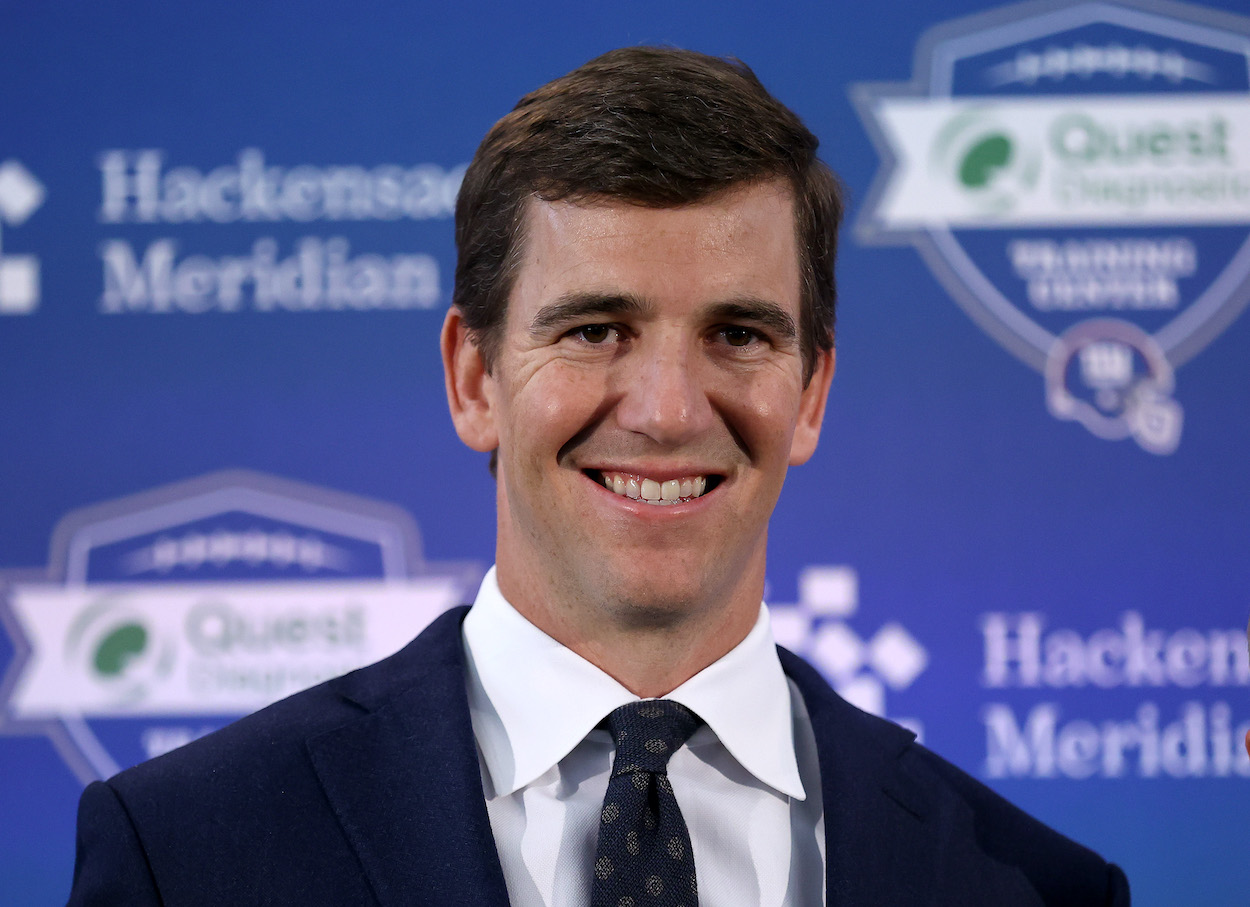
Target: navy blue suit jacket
pixel 366 790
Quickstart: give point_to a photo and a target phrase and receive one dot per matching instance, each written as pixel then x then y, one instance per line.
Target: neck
pixel 649 651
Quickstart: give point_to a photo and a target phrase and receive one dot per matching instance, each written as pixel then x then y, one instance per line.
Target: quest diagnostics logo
pixel 983 160
pixel 1077 175
pixel 21 195
pixel 112 647
pixel 164 615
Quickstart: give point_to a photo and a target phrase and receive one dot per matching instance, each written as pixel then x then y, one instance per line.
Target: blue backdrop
pixel 226 249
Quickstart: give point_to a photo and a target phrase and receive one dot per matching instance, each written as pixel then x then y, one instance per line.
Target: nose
pixel 664 393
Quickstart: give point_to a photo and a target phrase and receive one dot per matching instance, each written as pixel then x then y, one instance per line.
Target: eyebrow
pixel 760 311
pixel 575 307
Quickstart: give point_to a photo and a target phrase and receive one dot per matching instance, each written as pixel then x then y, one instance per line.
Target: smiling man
pixel 642 339
pixel 648 392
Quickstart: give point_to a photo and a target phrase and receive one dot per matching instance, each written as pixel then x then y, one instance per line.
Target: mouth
pixel 655 491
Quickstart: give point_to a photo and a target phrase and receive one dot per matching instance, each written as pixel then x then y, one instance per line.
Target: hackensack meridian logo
pixel 861 671
pixel 1170 686
pixel 271 272
pixel 1077 174
pixel 165 615
pixel 20 197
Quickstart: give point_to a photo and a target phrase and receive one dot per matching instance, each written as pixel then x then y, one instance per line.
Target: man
pixel 641 336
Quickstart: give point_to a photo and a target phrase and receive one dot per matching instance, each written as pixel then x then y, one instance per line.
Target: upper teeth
pixel 670 491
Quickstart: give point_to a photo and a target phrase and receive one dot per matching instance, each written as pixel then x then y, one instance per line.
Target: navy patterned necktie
pixel 644 857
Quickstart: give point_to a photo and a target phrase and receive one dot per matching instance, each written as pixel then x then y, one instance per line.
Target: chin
pixel 658 604
pixel 651 612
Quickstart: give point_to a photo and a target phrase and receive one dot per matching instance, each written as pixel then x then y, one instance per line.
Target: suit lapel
pixel 404 780
pixel 405 785
pixel 891 839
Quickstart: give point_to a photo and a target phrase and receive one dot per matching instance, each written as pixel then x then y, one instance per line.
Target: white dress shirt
pixel 748 782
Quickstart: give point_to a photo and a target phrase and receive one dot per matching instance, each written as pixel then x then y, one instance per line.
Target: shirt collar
pixel 744 697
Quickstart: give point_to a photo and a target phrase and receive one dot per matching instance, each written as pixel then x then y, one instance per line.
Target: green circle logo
pixel 985 159
pixel 118 648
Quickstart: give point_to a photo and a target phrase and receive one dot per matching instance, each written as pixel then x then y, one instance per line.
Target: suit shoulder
pixel 976 831
pixel 269 743
pixel 1060 869
pixel 260 745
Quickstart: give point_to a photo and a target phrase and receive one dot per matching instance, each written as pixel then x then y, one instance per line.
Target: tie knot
pixel 647 733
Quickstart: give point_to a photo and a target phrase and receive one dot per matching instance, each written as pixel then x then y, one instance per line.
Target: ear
pixel 812 409
pixel 470 388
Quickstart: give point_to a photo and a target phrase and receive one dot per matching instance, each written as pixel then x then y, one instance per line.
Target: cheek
pixel 763 415
pixel 549 409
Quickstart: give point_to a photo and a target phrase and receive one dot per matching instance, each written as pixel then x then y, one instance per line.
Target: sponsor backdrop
pixel 225 250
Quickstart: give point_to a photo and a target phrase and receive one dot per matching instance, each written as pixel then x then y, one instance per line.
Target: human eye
pixel 737 335
pixel 595 334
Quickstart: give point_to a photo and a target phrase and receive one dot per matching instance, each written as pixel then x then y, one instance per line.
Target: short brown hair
pixel 652 126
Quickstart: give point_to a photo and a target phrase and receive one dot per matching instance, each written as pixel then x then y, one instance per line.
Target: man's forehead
pixel 732 243
pixel 717 206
